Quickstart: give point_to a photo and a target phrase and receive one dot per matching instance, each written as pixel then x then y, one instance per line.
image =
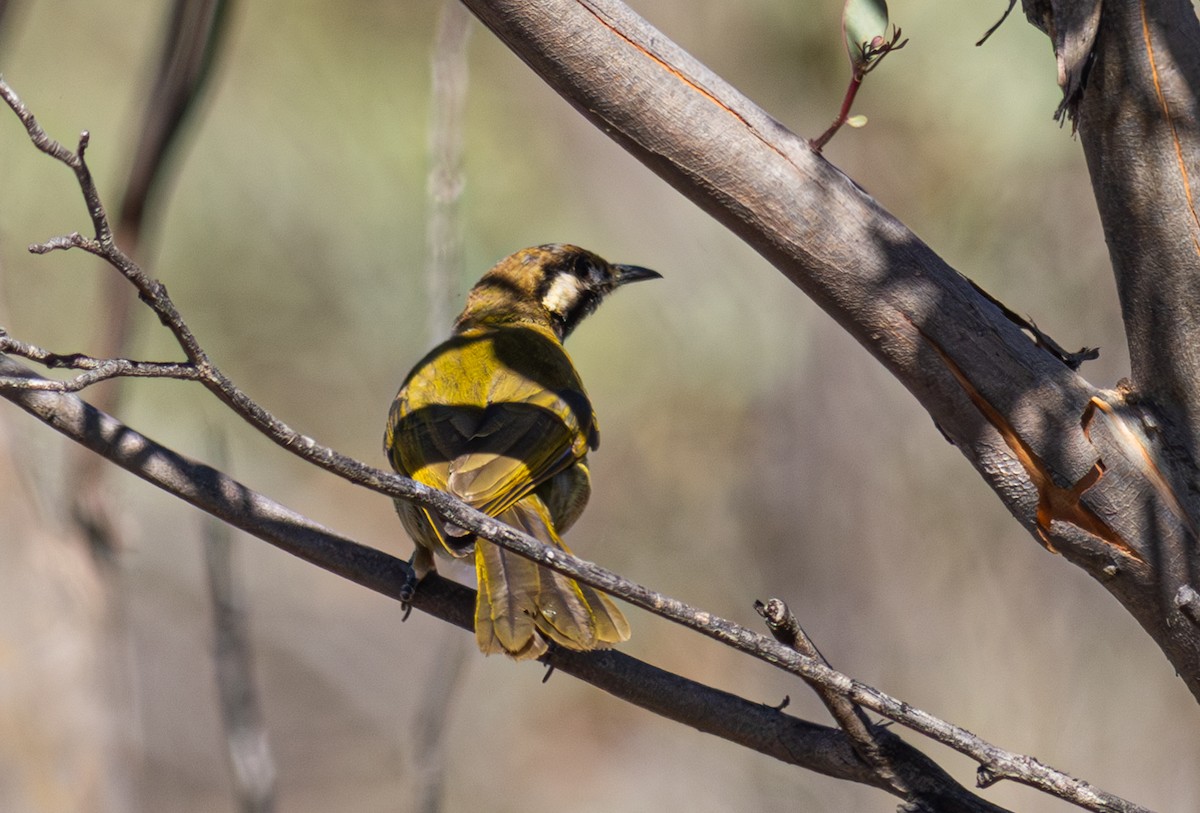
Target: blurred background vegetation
pixel 750 448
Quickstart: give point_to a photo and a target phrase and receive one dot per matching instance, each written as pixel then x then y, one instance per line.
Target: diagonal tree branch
pixel 1010 406
pixel 753 725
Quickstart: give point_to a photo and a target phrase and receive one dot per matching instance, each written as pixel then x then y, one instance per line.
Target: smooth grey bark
pixel 1086 471
pixel 1137 122
pixel 1137 114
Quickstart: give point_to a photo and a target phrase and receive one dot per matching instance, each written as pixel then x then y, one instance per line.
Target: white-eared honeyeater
pixel 497 416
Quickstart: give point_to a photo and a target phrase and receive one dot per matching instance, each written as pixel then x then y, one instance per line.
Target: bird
pixel 497 416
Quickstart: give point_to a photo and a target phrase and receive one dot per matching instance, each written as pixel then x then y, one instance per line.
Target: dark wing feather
pixel 517 447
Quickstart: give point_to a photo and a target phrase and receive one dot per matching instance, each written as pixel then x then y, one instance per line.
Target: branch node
pixel 62 242
pixel 986 776
pixel 864 737
pixel 1188 602
pixel 783 625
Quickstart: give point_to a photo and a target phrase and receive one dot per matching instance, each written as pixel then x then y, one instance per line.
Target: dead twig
pixel 850 718
pixel 189 47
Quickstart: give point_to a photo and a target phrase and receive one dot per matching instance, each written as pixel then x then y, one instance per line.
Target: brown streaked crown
pixel 555 285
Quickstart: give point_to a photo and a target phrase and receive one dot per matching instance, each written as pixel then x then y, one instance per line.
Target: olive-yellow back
pixel 497 416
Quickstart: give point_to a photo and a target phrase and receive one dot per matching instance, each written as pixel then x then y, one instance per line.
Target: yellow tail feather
pixel 521 606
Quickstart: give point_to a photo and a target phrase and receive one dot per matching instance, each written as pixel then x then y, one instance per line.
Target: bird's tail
pixel 521 605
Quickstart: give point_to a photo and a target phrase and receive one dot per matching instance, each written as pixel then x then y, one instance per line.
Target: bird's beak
pixel 634 273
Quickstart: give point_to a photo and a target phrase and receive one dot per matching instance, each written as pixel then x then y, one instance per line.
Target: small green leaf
pixel 863 21
pixel 856 121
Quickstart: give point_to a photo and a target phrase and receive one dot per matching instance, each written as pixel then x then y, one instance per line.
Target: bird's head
pixel 555 284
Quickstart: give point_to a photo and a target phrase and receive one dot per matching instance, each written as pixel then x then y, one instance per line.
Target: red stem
pixel 855 81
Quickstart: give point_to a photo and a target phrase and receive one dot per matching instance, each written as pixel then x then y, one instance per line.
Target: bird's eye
pixel 596 275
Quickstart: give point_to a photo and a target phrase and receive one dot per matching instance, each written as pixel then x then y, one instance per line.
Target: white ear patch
pixel 563 294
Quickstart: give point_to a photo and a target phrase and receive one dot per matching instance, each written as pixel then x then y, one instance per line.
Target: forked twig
pixel 189 49
pixel 850 718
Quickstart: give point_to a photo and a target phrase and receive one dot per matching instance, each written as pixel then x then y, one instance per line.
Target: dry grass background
pixel 750 448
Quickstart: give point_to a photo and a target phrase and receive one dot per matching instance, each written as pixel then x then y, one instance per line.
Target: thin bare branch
pixel 748 723
pixel 987 34
pixel 65 242
pixel 37 135
pixel 152 292
pixel 256 515
pixel 154 295
pixel 189 46
pixel 96 369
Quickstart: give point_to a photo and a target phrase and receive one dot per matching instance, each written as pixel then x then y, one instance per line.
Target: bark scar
pixel 1140 456
pixel 1055 503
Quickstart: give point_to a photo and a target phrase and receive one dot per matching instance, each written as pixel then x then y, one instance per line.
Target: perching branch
pixel 753 725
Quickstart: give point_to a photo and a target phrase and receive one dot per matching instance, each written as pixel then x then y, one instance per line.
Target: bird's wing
pixel 491 416
pixel 422 440
pixel 517 446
